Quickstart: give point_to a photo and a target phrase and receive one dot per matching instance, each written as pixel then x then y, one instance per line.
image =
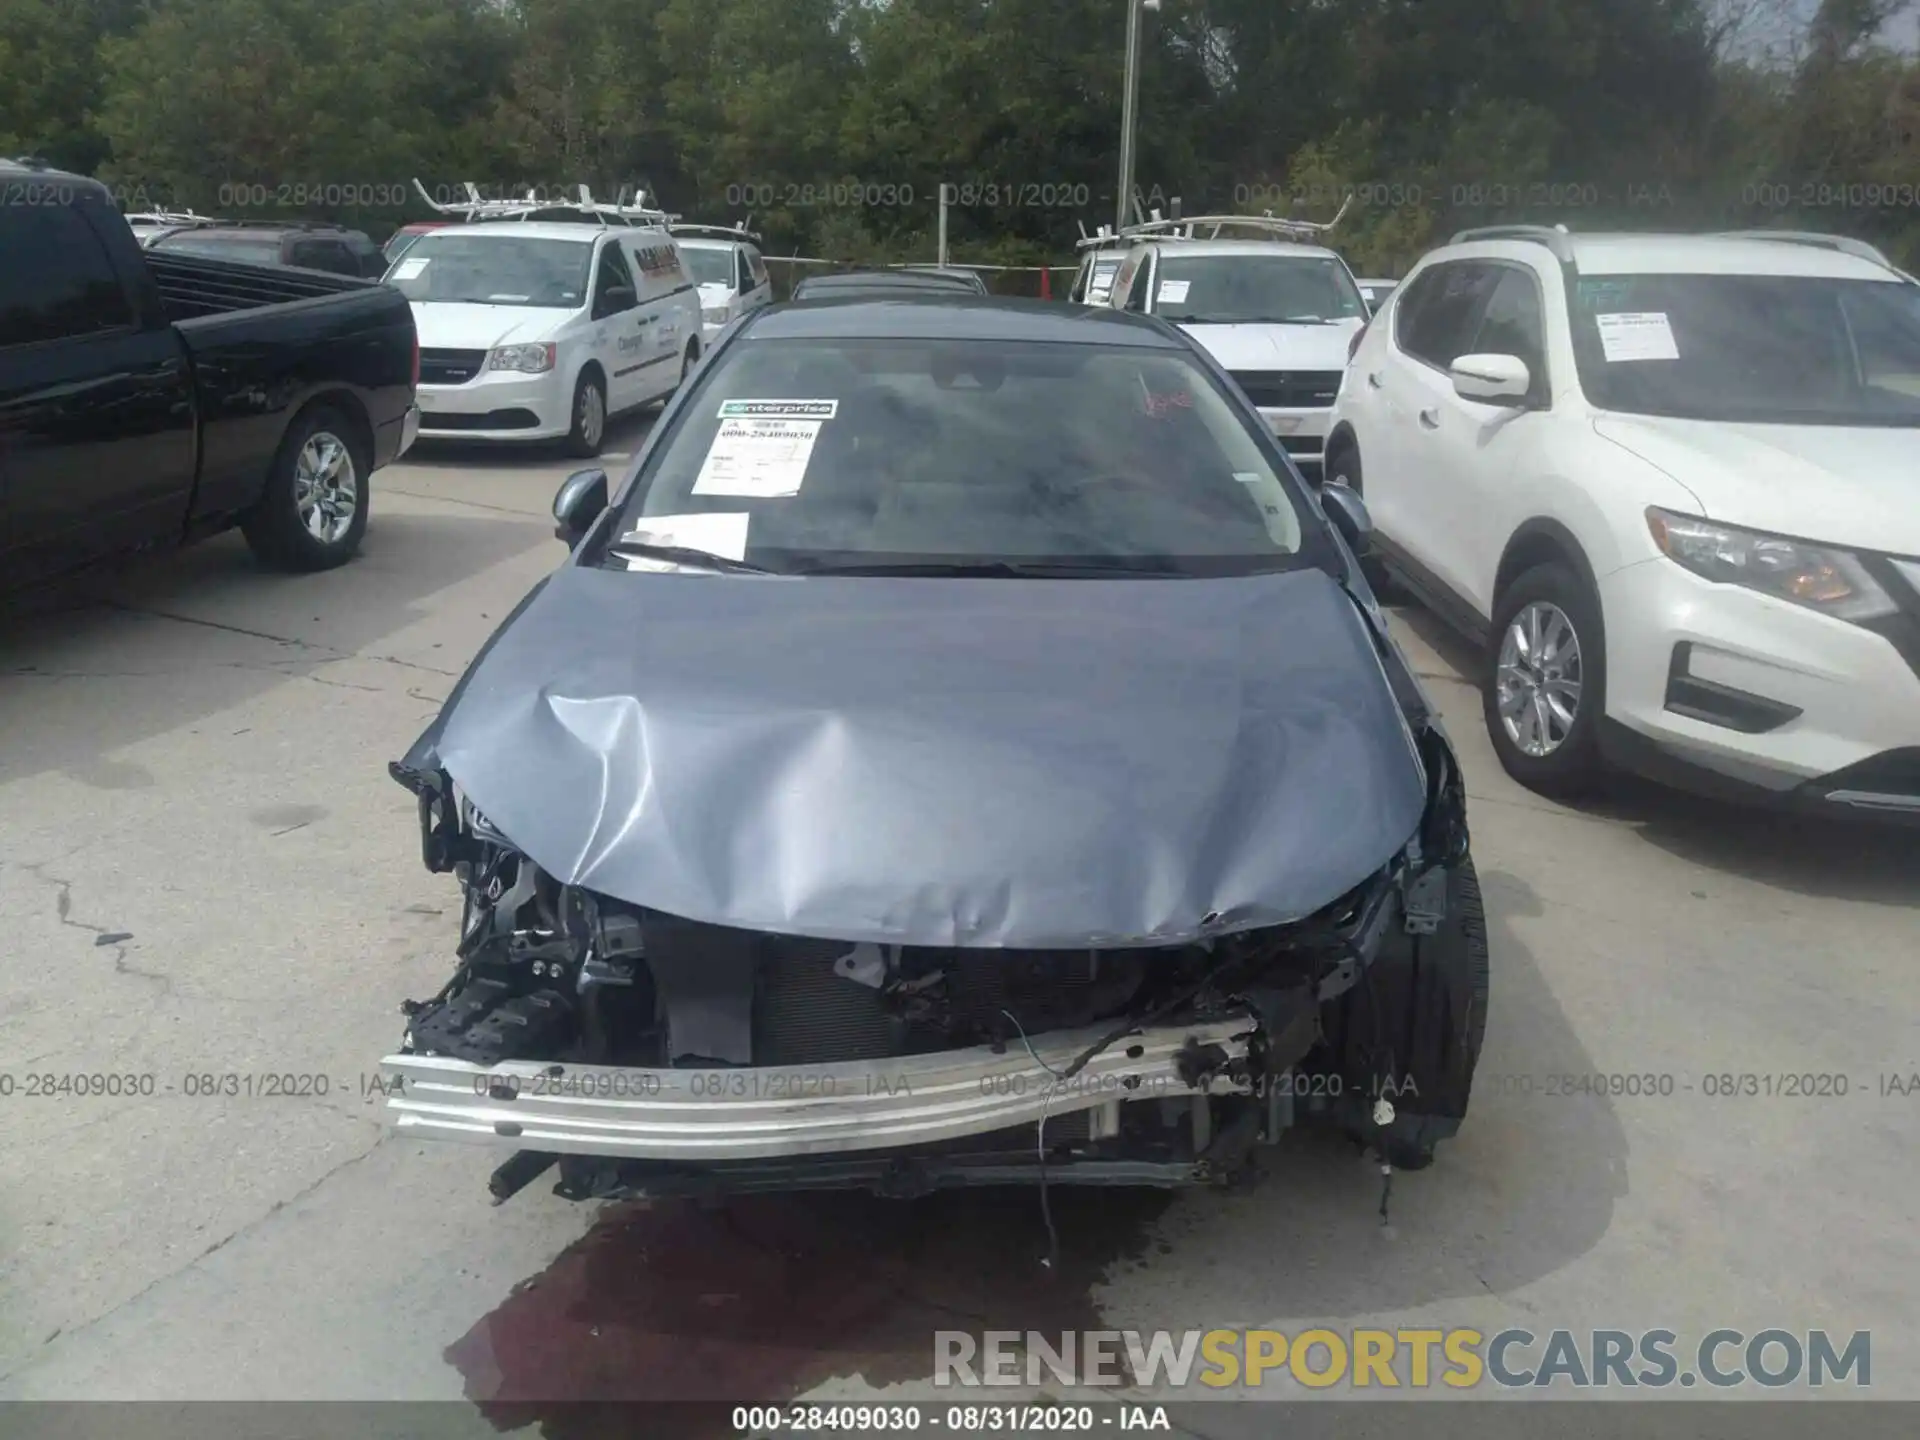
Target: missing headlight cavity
pixel 654 1054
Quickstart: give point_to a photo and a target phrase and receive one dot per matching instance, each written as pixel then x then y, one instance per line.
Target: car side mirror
pixel 1491 379
pixel 616 298
pixel 581 500
pixel 1348 512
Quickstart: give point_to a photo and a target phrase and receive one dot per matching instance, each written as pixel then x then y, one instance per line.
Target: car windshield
pixel 527 270
pixel 253 251
pixel 1255 289
pixel 709 266
pixel 1787 349
pixel 849 454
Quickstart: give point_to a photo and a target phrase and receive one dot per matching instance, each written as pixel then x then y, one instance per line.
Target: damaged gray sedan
pixel 964 751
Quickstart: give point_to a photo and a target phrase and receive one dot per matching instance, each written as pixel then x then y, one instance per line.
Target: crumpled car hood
pixel 941 762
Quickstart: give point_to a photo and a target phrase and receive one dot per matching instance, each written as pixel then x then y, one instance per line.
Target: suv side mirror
pixel 1491 379
pixel 581 500
pixel 1348 512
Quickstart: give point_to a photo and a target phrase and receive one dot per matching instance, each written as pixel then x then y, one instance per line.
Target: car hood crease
pixel 944 762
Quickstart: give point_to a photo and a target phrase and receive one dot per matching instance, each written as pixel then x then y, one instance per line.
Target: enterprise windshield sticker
pixel 410 269
pixel 1642 335
pixel 1174 292
pixel 779 409
pixel 758 459
pixel 723 534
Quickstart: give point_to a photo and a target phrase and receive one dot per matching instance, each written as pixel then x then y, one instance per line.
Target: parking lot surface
pixel 205 871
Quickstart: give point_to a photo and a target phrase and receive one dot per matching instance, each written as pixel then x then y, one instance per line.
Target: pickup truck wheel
pixel 589 433
pixel 1545 686
pixel 314 508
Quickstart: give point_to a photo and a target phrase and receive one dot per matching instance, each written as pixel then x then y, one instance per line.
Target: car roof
pixel 26 172
pixel 1241 247
pixel 934 280
pixel 584 231
pixel 958 315
pixel 1634 253
pixel 260 232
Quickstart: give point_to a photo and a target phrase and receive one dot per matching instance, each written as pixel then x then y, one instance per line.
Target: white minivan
pixel 1279 316
pixel 729 270
pixel 540 330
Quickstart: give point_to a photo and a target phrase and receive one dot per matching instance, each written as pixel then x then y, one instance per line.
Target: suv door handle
pixel 1430 419
pixel 1373 379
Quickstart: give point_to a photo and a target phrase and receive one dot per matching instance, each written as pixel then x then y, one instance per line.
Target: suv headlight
pixel 530 359
pixel 714 314
pixel 1831 581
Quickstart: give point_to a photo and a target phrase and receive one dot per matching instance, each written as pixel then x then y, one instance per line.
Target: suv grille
pixel 1290 389
pixel 450 367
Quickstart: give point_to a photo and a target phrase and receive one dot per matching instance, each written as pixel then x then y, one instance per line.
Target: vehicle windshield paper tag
pixel 1643 335
pixel 410 269
pixel 760 459
pixel 724 535
pixel 1173 292
pixel 779 409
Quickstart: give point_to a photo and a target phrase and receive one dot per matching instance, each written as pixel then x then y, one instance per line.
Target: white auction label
pixel 721 534
pixel 1636 335
pixel 758 459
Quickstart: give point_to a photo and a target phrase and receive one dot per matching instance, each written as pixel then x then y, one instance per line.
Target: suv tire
pixel 1543 709
pixel 1344 469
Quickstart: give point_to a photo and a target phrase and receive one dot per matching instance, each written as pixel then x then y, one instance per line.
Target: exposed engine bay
pixel 642 1053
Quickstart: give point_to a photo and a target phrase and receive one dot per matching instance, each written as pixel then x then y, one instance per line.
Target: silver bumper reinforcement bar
pixel 761 1113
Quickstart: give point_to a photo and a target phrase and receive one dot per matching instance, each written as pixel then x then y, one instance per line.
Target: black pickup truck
pixel 150 399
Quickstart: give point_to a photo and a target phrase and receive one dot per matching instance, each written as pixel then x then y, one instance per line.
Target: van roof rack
pixel 1556 238
pixel 718 232
pixel 180 219
pixel 1846 244
pixel 606 214
pixel 1190 227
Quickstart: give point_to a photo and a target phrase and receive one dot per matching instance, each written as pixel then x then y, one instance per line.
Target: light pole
pixel 1128 106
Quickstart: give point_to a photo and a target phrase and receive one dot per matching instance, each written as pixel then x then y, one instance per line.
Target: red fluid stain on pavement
pixel 764 1297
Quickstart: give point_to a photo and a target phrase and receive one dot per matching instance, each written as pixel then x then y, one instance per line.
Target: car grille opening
pixel 1290 389
pixel 488 420
pixel 450 367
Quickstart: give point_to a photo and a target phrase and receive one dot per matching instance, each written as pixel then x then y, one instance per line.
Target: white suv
pixel 1673 484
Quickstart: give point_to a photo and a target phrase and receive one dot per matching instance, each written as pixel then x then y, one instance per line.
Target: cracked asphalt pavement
pixel 205 872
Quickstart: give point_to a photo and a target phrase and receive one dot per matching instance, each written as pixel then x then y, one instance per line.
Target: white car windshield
pixel 1255 290
pixel 1786 349
pixel 709 267
pixel 925 453
pixel 495 270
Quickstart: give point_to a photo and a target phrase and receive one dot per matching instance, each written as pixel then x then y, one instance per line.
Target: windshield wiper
pixel 687 555
pixel 1147 567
